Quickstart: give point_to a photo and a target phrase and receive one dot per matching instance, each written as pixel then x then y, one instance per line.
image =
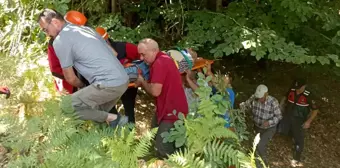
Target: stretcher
pixel 199 64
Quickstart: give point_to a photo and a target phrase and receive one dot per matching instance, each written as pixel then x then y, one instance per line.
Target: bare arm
pixel 71 77
pixel 191 84
pixel 154 89
pixel 312 116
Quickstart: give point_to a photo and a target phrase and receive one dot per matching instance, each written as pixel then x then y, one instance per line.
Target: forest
pixel 259 41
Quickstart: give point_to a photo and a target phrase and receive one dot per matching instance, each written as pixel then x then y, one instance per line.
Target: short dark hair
pixel 49 14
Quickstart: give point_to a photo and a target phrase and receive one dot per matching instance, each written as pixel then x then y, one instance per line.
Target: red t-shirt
pixel 131 53
pixel 164 71
pixel 56 70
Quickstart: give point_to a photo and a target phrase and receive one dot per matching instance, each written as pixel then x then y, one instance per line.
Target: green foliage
pixel 56 140
pixel 207 142
pixel 178 133
pixel 126 149
pixel 238 121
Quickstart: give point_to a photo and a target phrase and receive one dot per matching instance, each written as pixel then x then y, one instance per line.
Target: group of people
pixel 97 71
pixel 91 67
pixel 291 116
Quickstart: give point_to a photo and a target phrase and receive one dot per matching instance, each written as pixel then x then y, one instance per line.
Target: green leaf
pixel 208 79
pixel 228 50
pixel 180 142
pixel 201 75
pixel 181 116
pixel 165 134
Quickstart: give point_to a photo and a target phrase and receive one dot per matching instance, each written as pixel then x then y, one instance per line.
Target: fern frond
pixel 221 154
pixel 142 148
pixel 185 159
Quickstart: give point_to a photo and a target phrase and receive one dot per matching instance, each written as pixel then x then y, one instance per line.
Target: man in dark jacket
pixel 300 111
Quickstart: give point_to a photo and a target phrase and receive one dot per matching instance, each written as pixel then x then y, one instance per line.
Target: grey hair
pixel 150 43
pixel 49 14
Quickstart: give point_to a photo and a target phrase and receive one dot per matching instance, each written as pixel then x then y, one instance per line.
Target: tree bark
pixel 218 5
pixel 114 6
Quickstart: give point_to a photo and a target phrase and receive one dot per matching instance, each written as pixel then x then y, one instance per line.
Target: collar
pixel 160 53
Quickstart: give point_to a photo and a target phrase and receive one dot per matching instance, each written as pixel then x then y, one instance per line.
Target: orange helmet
pixel 75 17
pixel 101 31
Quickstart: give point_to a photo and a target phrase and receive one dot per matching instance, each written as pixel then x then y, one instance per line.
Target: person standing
pixel 166 86
pixel 82 48
pixel 300 111
pixel 266 116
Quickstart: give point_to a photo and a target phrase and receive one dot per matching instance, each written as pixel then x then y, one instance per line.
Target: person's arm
pixel 63 49
pixel 71 77
pixel 314 111
pixel 248 103
pixel 154 89
pixel 277 114
pixel 190 82
pixel 209 72
pixel 158 76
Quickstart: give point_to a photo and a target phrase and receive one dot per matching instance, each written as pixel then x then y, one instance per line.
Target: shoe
pixel 123 120
pixel 119 121
pixel 295 163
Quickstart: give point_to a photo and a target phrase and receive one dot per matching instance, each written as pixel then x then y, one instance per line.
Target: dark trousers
pixel 163 149
pixel 298 134
pixel 293 126
pixel 128 100
pixel 261 150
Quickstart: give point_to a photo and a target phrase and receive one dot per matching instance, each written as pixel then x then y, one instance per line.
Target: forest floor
pixel 322 140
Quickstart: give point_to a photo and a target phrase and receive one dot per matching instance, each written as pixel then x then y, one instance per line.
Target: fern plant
pixel 207 142
pixel 126 149
pixel 58 140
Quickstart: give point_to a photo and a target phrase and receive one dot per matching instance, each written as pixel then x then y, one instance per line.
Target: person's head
pixel 148 49
pixel 300 85
pixel 261 93
pixel 228 78
pixel 101 31
pixel 76 18
pixel 192 53
pixel 51 22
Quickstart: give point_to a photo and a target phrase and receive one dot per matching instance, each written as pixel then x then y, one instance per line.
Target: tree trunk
pixel 113 6
pixel 218 5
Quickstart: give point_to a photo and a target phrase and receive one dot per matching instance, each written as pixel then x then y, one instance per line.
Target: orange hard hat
pixel 101 31
pixel 75 17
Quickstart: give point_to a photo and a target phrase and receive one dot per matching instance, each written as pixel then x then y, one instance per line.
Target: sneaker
pixel 121 120
pixel 295 163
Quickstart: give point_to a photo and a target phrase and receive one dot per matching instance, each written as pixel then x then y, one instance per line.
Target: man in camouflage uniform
pixel 300 111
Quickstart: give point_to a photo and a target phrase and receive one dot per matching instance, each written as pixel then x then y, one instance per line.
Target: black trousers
pixel 293 126
pixel 128 100
pixel 162 149
pixel 265 136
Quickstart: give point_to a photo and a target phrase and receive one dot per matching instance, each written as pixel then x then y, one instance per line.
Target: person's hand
pixel 139 81
pixel 4 89
pixel 265 124
pixel 306 125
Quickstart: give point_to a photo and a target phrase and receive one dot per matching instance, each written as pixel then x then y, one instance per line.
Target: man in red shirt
pixel 166 86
